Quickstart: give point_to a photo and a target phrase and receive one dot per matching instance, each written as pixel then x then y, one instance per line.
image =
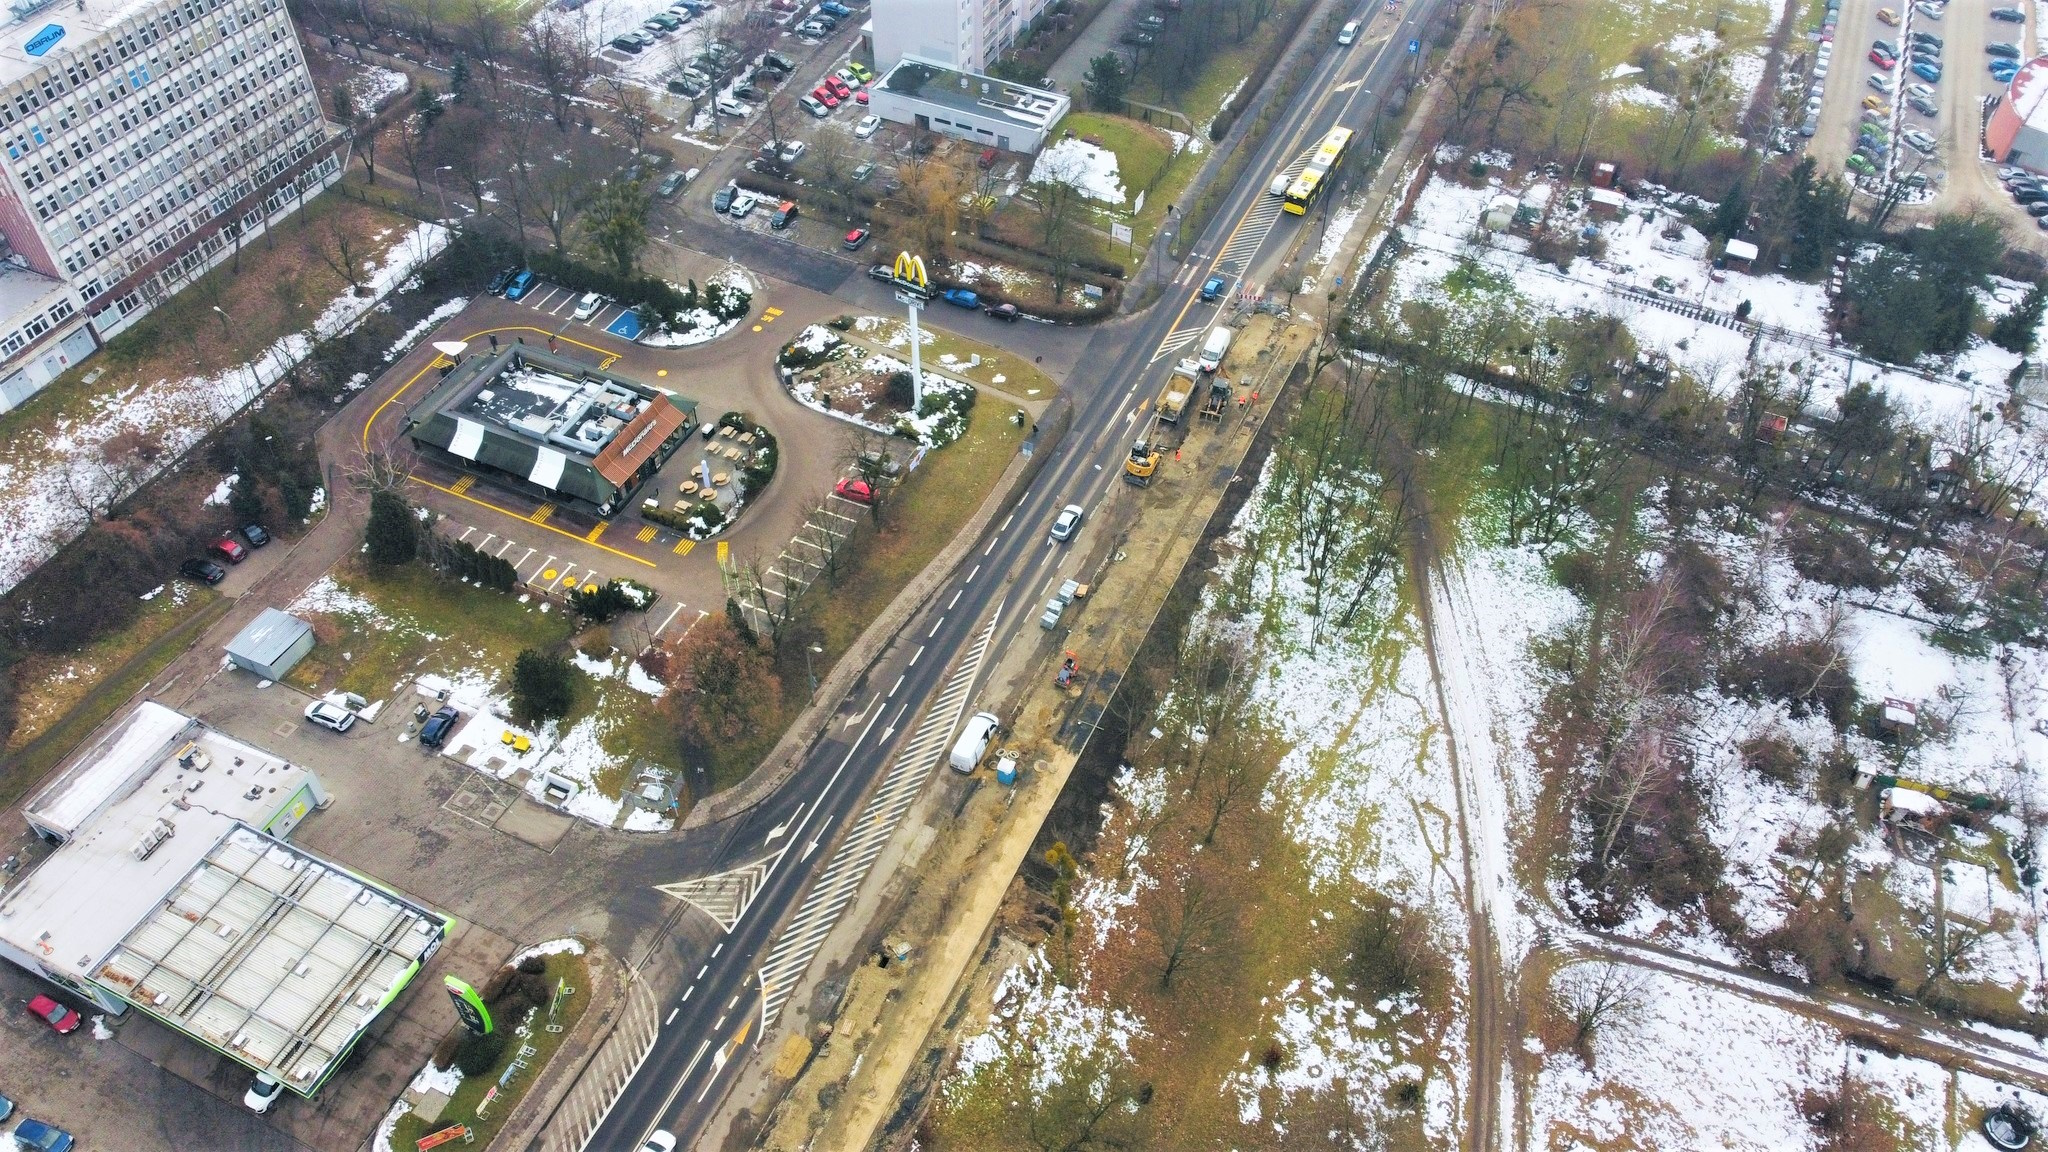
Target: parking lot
pixel 1955 172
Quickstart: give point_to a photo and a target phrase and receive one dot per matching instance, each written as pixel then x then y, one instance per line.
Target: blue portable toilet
pixel 1006 770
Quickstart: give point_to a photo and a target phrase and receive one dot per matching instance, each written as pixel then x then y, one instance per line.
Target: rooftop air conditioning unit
pixel 151 840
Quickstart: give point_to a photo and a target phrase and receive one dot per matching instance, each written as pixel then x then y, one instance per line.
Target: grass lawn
pixel 102 679
pixel 390 626
pixel 1020 377
pixel 1142 151
pixel 930 508
pixel 461 1108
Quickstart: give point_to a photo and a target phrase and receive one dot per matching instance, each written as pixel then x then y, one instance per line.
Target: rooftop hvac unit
pixel 23 9
pixel 152 839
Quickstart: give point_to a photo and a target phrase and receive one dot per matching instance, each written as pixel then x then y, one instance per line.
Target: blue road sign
pixel 1415 45
pixel 627 325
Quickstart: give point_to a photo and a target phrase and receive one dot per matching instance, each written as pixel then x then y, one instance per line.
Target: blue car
pixel 520 285
pixel 2004 70
pixel 1928 72
pixel 1212 288
pixel 835 8
pixel 6 1108
pixel 42 1137
pixel 961 297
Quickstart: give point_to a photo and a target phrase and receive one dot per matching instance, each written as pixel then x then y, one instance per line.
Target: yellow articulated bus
pixel 1309 184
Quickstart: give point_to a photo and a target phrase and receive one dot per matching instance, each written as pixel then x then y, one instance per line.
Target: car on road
pixel 262 1093
pixel 589 306
pixel 328 714
pixel 255 535
pixel 36 1136
pixel 228 549
pixel 204 571
pixel 961 298
pixel 439 727
pixel 1347 34
pixel 1928 72
pixel 1881 83
pixel 1006 312
pixel 882 272
pixel 2008 51
pixel 867 127
pixel 61 1019
pixel 498 282
pixel 1067 523
pixel 1212 288
pixel 2009 15
pixel 520 285
pixel 659 1141
pixel 854 239
pixel 671 184
pixel 858 491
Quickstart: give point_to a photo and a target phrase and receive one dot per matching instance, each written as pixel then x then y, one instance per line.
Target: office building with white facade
pixel 933 56
pixel 140 142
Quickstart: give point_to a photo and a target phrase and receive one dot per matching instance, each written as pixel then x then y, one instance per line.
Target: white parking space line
pixel 538 568
pixel 521 562
pixel 510 545
pixel 671 618
pixel 466 532
pixel 545 299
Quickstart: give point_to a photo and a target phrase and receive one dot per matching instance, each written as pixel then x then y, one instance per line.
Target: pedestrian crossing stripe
pixel 541 514
pixel 596 532
pixel 684 545
pixel 646 534
pixel 462 485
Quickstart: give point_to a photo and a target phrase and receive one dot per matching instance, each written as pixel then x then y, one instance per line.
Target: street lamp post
pixel 441 191
pixel 808 674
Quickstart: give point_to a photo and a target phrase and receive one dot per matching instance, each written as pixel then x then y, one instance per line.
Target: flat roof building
pixel 141 143
pixel 982 110
pixel 970 35
pixel 172 891
pixel 551 426
pixel 270 644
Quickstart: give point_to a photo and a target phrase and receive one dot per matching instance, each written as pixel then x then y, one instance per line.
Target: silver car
pixel 328 714
pixel 1067 523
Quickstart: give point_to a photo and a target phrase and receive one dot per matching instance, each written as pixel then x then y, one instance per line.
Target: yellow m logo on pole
pixel 910 270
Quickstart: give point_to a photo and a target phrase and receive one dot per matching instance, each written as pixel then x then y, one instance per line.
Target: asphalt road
pixel 717 1007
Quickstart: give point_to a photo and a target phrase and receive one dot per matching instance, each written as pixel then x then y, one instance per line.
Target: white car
pixel 327 714
pixel 743 204
pixel 867 127
pixel 1067 523
pixel 1882 84
pixel 660 1141
pixel 265 1091
pixel 727 106
pixel 589 305
pixel 1348 33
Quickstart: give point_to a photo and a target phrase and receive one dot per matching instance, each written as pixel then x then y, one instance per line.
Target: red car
pixel 861 97
pixel 1881 60
pixel 858 491
pixel 825 96
pixel 57 1016
pixel 229 550
pixel 839 87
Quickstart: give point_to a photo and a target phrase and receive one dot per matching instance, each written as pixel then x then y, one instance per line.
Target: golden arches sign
pixel 910 270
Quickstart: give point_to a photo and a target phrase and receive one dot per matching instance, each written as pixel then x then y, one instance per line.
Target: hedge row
pixel 649 293
pixel 1268 60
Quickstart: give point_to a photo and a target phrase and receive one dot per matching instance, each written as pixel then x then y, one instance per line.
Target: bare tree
pixel 1598 998
pixel 632 113
pixel 1186 919
pixel 411 131
pixel 559 48
pixel 340 249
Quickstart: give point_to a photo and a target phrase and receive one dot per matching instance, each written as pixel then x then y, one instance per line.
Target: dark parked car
pixel 2006 51
pixel 1925 38
pixel 36 1136
pixel 671 184
pixel 498 282
pixel 688 86
pixel 778 60
pixel 1001 311
pixel 722 199
pixel 2009 15
pixel 632 42
pixel 435 731
pixel 227 549
pixel 255 535
pixel 204 571
pixel 749 92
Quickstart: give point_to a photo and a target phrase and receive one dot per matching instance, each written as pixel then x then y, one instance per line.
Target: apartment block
pixel 141 141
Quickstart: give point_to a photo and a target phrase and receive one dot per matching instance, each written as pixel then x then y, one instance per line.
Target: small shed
pixel 1606 203
pixel 1604 175
pixel 1741 255
pixel 1905 805
pixel 271 644
pixel 1500 212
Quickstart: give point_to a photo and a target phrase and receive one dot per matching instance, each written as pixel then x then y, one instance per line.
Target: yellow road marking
pixel 519 516
pixel 462 485
pixel 684 545
pixel 610 358
pixel 589 587
pixel 724 550
pixel 548 575
pixel 597 531
pixel 541 514
pixel 757 327
pixel 646 534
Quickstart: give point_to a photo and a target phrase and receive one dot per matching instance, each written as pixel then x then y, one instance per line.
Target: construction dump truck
pixel 1163 432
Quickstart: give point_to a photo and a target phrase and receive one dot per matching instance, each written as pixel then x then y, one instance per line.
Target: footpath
pixel 865 1073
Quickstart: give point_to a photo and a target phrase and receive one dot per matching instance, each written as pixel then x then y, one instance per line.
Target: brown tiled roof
pixel 638 440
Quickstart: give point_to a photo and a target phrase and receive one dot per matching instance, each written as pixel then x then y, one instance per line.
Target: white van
pixel 973 742
pixel 1213 349
pixel 1348 33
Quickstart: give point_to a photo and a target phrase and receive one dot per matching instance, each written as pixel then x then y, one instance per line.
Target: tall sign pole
pixel 913 286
